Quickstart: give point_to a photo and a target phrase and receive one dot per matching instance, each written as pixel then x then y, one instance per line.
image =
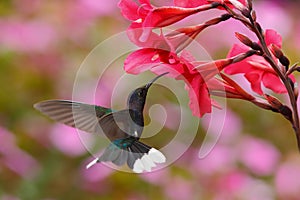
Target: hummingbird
pixel 123 128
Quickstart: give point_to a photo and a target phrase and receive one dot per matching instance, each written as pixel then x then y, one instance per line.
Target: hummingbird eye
pixel 141 93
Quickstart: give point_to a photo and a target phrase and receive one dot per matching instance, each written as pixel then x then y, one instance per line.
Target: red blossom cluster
pixel 262 63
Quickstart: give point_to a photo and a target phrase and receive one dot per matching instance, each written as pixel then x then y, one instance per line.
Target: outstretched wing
pixel 78 115
pixel 119 124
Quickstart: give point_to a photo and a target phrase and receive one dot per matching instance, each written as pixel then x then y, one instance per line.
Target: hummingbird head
pixel 137 98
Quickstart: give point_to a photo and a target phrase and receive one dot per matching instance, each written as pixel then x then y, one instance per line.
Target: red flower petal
pixel 237 68
pixel 156 61
pixel 237 49
pixel 255 81
pixel 195 3
pixel 272 82
pixel 200 102
pixel 140 61
pixel 164 16
pixel 272 37
pixel 160 69
pixel 292 77
pixel 189 3
pixel 129 9
pixel 154 40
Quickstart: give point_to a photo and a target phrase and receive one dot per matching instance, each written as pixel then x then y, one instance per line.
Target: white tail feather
pixel 147 162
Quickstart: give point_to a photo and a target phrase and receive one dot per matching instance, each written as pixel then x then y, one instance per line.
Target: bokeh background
pixel 42 45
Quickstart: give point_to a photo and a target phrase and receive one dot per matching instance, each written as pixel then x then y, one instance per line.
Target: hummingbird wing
pixel 78 115
pixel 119 125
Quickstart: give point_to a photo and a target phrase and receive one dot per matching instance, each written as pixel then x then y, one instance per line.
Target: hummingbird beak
pixel 153 80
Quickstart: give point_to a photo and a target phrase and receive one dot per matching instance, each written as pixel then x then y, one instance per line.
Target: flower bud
pixel 249 4
pixel 246 13
pixel 264 105
pixel 291 82
pixel 215 4
pixel 296 90
pixel 276 51
pixel 238 5
pixel 253 15
pixel 244 39
pixel 279 54
pixel 274 102
pixel 286 112
pixel 259 27
pixel 243 56
pixel 284 61
pixel 225 17
pixel 278 106
pixel 256 46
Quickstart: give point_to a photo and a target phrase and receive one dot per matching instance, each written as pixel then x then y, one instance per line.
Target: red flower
pixel 179 67
pixel 182 37
pixel 256 69
pixel 195 3
pixel 190 3
pixel 226 87
pixel 157 50
pixel 148 17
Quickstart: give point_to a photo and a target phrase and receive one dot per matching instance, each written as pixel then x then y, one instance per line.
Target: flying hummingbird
pixel 123 128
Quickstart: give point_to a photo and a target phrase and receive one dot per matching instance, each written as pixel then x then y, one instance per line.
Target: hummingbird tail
pixel 138 156
pixel 142 157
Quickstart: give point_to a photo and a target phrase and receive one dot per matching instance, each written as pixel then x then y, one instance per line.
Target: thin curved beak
pixel 155 79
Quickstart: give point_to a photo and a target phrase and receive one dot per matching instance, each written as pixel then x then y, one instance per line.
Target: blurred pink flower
pixel 14 158
pixel 172 120
pixel 67 140
pixel 97 8
pixel 9 197
pixel 240 185
pixel 255 189
pixel 178 189
pixel 94 177
pixel 277 17
pixel 84 12
pixel 258 155
pixel 96 173
pixel 232 182
pixel 297 38
pixel 159 177
pixel 27 36
pixel 221 158
pixel 105 89
pixel 81 14
pixel 136 196
pixel 227 125
pixel 287 180
pixel 27 6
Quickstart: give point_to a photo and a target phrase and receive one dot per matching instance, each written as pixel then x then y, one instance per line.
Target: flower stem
pixel 290 90
pixel 255 27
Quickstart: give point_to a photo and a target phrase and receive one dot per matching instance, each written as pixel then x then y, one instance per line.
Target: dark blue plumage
pixel 123 128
